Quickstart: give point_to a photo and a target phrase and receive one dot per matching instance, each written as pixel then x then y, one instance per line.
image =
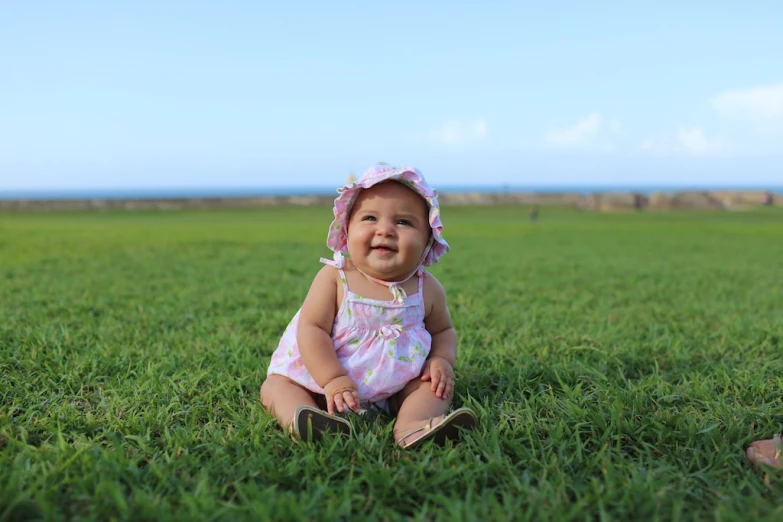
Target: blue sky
pixel 230 94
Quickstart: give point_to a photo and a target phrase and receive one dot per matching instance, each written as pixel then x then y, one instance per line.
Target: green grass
pixel 619 364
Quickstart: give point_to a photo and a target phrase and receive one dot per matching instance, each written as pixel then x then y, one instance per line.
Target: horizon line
pixel 211 192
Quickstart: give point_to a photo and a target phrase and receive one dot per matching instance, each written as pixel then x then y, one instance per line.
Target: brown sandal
pixel 766 452
pixel 440 429
pixel 312 423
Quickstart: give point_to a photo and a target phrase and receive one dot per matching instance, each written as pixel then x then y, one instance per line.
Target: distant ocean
pixel 233 192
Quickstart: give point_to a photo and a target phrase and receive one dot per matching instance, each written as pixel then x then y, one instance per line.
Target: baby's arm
pixel 315 343
pixel 439 367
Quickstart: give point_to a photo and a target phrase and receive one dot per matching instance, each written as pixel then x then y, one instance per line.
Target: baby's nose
pixel 385 229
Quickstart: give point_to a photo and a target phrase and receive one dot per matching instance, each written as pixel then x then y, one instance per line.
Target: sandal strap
pixel 448 424
pixel 426 428
pixel 292 432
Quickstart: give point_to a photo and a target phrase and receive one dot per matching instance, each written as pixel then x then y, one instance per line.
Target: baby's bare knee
pixel 415 385
pixel 270 389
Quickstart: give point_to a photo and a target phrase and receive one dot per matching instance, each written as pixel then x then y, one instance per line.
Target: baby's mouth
pixel 383 249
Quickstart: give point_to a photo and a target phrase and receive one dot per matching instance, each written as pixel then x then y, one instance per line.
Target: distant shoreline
pixel 606 201
pixel 178 193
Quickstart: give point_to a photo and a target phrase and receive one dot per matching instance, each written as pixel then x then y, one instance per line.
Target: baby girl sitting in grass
pixel 374 330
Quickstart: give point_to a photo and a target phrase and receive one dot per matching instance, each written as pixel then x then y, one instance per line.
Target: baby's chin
pixel 390 274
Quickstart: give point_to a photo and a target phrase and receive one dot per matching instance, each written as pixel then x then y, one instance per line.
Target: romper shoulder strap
pixel 338 263
pixel 345 282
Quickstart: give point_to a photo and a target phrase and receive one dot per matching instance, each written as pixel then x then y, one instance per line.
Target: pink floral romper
pixel 381 344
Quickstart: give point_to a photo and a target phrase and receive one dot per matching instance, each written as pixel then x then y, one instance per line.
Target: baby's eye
pixel 368 218
pixel 405 222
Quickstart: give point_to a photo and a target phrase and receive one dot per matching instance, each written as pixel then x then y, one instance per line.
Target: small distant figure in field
pixel 534 213
pixel 766 452
pixel 374 331
pixel 638 202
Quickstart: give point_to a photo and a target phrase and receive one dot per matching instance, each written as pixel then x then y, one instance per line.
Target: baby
pixel 374 330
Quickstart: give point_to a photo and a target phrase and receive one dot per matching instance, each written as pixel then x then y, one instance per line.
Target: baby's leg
pixel 417 404
pixel 281 397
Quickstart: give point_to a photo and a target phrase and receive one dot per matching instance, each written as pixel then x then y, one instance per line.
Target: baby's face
pixel 388 231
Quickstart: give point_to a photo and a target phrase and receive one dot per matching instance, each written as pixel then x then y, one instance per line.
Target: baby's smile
pixel 383 249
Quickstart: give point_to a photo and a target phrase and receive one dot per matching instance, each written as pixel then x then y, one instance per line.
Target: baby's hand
pixel 343 393
pixel 441 373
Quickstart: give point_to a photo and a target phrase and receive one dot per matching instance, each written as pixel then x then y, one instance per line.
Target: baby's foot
pixel 766 452
pixel 440 429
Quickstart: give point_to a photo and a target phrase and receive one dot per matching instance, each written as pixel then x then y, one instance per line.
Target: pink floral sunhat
pixel 412 178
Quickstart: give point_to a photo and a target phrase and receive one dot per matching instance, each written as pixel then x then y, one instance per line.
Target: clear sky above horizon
pixel 248 94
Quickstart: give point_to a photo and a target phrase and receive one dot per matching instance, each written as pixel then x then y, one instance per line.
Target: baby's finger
pixel 338 401
pixel 441 389
pixel 348 397
pixel 449 389
pixel 426 375
pixel 356 400
pixel 436 378
pixel 330 405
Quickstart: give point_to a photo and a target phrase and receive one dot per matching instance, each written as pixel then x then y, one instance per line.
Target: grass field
pixel 619 364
